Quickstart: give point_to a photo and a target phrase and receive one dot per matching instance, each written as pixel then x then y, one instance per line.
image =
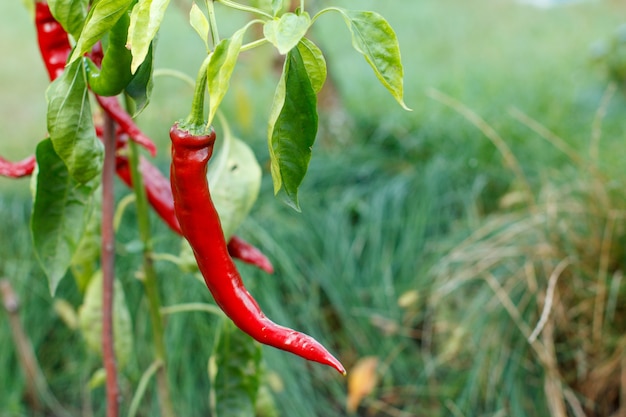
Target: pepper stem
pixel 196 117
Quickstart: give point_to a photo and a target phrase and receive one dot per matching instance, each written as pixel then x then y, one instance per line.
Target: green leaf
pixel 61 210
pixel 140 87
pixel 286 32
pixel 292 127
pixel 70 124
pixel 90 320
pixel 270 6
pixel 265 404
pixel 70 14
pixel 221 65
pixel 278 6
pixel 102 16
pixel 237 361
pixel 200 24
pixel 235 181
pixel 314 63
pixel 373 37
pixel 98 379
pixel 145 21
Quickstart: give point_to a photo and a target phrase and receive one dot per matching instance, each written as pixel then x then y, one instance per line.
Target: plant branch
pixel 108 265
pixel 141 388
pixel 184 308
pixel 150 282
pixel 244 8
pixel 213 22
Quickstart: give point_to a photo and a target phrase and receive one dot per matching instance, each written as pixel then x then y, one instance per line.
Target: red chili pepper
pixel 159 194
pixel 240 249
pixel 54 44
pixel 201 226
pixel 19 169
pixel 112 106
pixel 157 187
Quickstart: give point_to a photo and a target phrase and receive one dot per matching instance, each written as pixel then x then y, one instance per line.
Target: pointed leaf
pixel 60 213
pixel 277 6
pixel 237 360
pixel 70 124
pixel 145 21
pixel 234 184
pixel 314 63
pixel 140 87
pixel 90 320
pixel 373 37
pixel 221 66
pixel 286 32
pixel 70 14
pixel 200 24
pixel 102 16
pixel 292 127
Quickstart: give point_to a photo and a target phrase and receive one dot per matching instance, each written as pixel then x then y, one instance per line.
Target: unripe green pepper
pixel 114 75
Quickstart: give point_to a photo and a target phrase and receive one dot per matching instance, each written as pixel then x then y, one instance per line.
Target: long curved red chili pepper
pixel 201 226
pixel 18 169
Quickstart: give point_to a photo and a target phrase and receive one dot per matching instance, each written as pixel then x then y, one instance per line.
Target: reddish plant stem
pixel 108 264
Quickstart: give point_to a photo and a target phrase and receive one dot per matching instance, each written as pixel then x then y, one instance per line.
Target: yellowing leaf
pixel 362 379
pixel 90 320
pixel 409 299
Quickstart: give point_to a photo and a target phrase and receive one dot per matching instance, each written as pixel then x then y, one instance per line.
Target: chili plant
pixel 100 54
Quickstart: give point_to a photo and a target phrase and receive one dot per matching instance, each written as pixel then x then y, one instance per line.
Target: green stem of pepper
pixel 150 282
pixel 195 121
pixel 213 22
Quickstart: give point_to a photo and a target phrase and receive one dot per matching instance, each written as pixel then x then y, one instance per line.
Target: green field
pixel 404 249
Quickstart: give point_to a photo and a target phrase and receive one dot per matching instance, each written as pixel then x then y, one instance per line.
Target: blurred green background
pixel 417 243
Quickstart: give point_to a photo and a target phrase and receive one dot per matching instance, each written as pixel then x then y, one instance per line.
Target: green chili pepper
pixel 114 74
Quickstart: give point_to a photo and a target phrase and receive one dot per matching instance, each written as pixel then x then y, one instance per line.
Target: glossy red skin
pixel 54 44
pixel 18 169
pixel 201 227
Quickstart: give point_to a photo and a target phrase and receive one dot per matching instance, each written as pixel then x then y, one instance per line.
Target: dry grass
pixel 552 263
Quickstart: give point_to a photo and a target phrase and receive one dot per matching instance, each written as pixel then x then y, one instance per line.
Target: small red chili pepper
pixel 157 187
pixel 240 249
pixel 201 227
pixel 54 44
pixel 112 106
pixel 19 169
